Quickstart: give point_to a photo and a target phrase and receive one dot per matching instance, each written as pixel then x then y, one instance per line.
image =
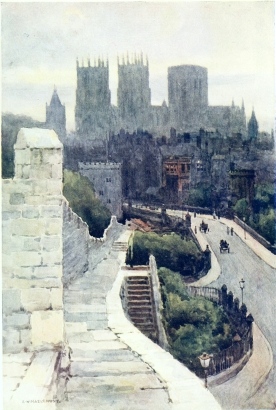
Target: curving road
pixel 260 299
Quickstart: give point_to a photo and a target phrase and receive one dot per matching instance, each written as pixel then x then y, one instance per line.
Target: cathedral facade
pixel 187 109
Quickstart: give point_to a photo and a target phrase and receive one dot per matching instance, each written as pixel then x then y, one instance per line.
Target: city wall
pixel 45 244
pixel 80 250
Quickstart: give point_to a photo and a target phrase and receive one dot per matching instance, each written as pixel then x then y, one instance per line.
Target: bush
pixel 79 192
pixel 170 251
pixel 193 324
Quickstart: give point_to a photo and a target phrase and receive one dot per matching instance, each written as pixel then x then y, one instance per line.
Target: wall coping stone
pixel 37 138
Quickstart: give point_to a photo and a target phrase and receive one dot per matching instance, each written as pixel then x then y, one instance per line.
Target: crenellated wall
pixel 32 243
pixel 80 250
pixel 75 245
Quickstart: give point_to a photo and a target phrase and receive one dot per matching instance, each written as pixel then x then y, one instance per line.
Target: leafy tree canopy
pixel 193 324
pixel 169 250
pixel 11 125
pixel 80 194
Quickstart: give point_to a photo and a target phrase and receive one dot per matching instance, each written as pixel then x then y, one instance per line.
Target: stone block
pixel 34 200
pixel 18 171
pixel 11 301
pixel 26 171
pixel 51 243
pixel 30 211
pixel 17 198
pixel 53 226
pixel 12 243
pixel 6 215
pixel 35 299
pixel 25 337
pixel 36 156
pixel 27 258
pixel 52 156
pixel 10 339
pixel 22 156
pixel 51 258
pixel 28 227
pixel 54 200
pixel 17 320
pixel 23 272
pixel 43 171
pixel 39 187
pixel 47 327
pixel 43 272
pixel 51 211
pixel 54 187
pixel 57 171
pixel 56 298
pixel 32 244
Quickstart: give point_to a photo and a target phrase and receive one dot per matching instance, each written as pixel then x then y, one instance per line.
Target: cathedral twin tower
pixel 94 114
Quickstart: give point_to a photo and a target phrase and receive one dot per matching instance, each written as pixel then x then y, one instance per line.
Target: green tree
pixel 80 194
pixel 193 324
pixel 200 196
pixel 241 209
pixel 11 125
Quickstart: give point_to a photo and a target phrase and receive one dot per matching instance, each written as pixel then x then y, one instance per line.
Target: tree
pixel 11 125
pixel 80 194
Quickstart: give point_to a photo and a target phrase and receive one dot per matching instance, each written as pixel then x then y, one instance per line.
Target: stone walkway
pixel 104 372
pixel 113 365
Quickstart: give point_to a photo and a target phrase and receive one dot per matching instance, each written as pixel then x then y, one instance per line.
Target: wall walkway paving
pixel 113 365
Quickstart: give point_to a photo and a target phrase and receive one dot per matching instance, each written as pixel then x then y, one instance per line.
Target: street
pixel 259 297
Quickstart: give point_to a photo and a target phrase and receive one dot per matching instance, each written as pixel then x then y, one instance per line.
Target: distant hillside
pixel 11 124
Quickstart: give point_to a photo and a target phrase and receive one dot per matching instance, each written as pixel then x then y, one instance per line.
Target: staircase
pixel 120 246
pixel 140 305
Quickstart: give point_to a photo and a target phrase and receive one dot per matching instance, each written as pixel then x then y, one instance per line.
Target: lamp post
pixel 242 282
pixel 244 230
pixel 205 362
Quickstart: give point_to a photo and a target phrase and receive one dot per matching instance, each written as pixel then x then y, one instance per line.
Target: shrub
pixel 193 324
pixel 170 251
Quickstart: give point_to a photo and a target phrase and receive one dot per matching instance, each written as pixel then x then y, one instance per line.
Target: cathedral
pixel 187 109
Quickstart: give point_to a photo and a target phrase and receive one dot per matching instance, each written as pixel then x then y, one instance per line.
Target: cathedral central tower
pixel 134 95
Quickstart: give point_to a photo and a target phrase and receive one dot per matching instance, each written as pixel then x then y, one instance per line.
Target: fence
pixel 242 343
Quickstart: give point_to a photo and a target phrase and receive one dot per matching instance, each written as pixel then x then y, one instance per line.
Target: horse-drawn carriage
pixel 203 227
pixel 224 246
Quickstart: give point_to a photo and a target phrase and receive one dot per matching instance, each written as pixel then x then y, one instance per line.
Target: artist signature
pixel 41 401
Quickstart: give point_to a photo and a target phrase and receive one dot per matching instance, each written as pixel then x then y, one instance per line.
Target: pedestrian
pixel 195 230
pixel 228 230
pixel 194 214
pixel 232 231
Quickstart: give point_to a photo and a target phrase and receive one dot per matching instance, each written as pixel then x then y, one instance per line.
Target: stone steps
pixel 139 304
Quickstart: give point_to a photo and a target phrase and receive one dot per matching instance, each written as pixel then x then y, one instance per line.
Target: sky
pixel 234 40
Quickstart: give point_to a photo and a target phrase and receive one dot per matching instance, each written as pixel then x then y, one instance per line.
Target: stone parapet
pixel 32 243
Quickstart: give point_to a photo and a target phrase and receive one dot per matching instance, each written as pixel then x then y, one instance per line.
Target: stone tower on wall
pixel 134 95
pixel 55 116
pixel 188 97
pixel 93 100
pixel 32 244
